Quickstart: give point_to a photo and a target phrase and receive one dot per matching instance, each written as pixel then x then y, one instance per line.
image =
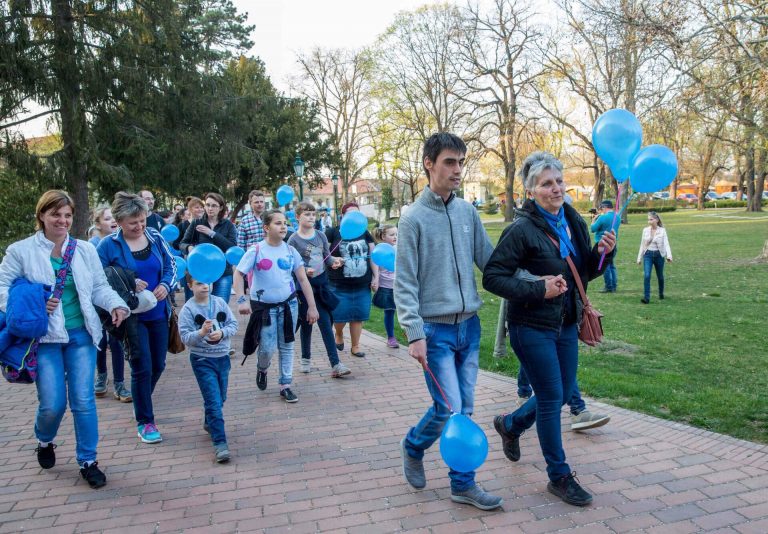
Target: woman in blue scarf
pixel 544 311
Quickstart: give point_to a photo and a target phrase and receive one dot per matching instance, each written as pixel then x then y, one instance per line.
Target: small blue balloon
pixel 175 252
pixel 290 215
pixel 234 255
pixel 284 195
pixel 617 137
pixel 463 444
pixel 653 169
pixel 353 224
pixel 206 263
pixel 181 268
pixel 169 232
pixel 384 256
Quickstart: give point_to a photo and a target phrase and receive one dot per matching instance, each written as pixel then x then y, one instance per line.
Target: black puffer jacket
pixel 524 245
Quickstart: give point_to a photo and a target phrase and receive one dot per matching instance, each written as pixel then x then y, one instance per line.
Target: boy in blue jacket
pixel 206 325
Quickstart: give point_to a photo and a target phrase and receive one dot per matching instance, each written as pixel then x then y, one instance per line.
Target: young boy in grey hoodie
pixel 206 325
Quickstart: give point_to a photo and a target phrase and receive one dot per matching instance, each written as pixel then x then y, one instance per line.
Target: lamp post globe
pixel 298 169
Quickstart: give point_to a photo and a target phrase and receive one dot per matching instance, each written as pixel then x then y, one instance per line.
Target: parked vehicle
pixel 711 195
pixel 690 198
pixel 663 195
pixel 730 195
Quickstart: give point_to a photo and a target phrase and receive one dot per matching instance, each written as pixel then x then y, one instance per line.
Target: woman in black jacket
pixel 214 228
pixel 543 314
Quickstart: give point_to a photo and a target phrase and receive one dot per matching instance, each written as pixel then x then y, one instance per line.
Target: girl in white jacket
pixel 654 249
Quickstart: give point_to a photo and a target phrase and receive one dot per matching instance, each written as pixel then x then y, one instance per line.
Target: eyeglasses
pixel 212 206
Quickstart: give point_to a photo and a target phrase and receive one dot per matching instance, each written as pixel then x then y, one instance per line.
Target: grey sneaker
pixel 477 497
pixel 413 469
pixel 222 453
pixel 340 370
pixel 306 365
pixel 122 393
pixel 586 420
pixel 100 387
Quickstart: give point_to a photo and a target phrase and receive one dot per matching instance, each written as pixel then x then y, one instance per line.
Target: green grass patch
pixel 701 355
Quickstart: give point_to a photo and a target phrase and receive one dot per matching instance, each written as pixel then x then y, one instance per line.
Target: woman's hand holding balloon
pixel 555 286
pixel 607 242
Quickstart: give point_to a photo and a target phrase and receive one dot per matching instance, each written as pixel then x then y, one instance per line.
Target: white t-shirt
pixel 272 268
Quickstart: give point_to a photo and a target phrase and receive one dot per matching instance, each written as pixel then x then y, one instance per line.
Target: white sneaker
pixel 586 420
pixel 306 365
pixel 340 370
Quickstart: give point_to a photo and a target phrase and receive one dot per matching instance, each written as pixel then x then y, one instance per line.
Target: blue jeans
pixel 609 277
pixel 524 389
pixel 326 331
pixel 272 339
pixel 147 368
pixel 118 357
pixel 653 258
pixel 550 360
pixel 453 352
pixel 223 287
pixel 389 322
pixel 65 370
pixel 212 376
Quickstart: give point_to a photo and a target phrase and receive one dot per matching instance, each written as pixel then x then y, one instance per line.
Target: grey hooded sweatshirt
pixel 438 245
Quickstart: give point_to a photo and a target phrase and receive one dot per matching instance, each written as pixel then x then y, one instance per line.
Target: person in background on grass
pixel 143 250
pixel 654 249
pixel 66 354
pixel 206 326
pixel 312 246
pixel 602 223
pixel 441 239
pixel 153 219
pixel 384 297
pixel 273 305
pixel 105 225
pixel 543 313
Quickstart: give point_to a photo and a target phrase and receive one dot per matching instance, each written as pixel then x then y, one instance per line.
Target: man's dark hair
pixel 439 142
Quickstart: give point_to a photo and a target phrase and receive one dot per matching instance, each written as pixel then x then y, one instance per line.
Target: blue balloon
pixel 290 215
pixel 284 195
pixel 181 268
pixel 617 137
pixel 234 255
pixel 206 263
pixel 463 444
pixel 353 224
pixel 384 255
pixel 653 169
pixel 169 232
pixel 175 252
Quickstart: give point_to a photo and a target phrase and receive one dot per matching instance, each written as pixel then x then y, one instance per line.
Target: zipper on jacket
pixel 455 261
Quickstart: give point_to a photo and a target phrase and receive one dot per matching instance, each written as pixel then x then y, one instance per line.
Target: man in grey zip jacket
pixel 440 240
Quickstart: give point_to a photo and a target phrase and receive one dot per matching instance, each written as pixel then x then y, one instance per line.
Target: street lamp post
pixel 335 181
pixel 298 169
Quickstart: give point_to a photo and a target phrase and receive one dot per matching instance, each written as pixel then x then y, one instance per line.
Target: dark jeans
pixel 651 259
pixel 326 331
pixel 550 360
pixel 118 357
pixel 609 276
pixel 524 389
pixel 389 322
pixel 212 376
pixel 147 368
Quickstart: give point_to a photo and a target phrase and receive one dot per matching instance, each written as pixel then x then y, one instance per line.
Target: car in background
pixel 765 195
pixel 730 195
pixel 711 195
pixel 663 195
pixel 690 198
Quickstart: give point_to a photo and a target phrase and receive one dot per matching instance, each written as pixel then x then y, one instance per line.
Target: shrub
pixel 491 207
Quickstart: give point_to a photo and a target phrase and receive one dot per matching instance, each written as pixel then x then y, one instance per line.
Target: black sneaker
pixel 261 380
pixel 288 395
pixel 510 442
pixel 568 489
pixel 45 456
pixel 93 475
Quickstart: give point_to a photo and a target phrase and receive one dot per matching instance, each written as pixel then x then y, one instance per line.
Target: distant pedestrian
pixel 384 298
pixel 603 222
pixel 654 249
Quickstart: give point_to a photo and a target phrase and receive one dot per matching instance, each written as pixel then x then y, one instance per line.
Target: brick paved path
pixel 331 464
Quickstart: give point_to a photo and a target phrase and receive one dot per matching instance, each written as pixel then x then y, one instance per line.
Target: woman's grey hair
pixel 128 205
pixel 534 165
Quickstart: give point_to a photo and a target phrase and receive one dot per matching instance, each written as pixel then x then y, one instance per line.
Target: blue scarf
pixel 560 226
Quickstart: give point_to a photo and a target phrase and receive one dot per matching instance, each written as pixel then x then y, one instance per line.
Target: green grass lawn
pixel 701 355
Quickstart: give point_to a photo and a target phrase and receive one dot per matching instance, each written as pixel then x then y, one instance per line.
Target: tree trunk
pixel 750 177
pixel 599 171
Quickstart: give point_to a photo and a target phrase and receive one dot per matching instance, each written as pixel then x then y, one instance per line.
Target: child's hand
pixel 206 328
pixel 310 272
pixel 244 308
pixel 312 315
pixel 216 336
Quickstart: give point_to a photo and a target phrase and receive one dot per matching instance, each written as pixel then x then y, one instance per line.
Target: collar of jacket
pixel 118 235
pixel 434 201
pixel 46 243
pixel 529 211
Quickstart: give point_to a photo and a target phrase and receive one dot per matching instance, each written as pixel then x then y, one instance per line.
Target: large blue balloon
pixel 234 255
pixel 653 169
pixel 284 195
pixel 206 263
pixel 384 255
pixel 617 137
pixel 463 444
pixel 353 225
pixel 181 268
pixel 169 232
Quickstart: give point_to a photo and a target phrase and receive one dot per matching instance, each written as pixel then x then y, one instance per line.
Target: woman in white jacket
pixel 66 358
pixel 654 249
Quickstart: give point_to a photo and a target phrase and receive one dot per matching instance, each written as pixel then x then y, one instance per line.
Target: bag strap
pixel 61 274
pixel 575 273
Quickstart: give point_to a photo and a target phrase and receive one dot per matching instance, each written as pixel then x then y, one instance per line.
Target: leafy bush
pixel 728 203
pixel 647 208
pixel 491 207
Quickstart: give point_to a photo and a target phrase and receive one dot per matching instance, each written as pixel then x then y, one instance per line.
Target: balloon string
pixel 615 215
pixel 426 367
pixel 331 252
pixel 210 301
